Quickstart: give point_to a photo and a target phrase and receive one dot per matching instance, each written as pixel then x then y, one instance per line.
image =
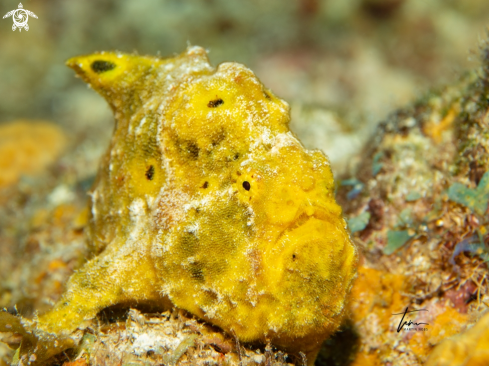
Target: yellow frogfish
pixel 205 200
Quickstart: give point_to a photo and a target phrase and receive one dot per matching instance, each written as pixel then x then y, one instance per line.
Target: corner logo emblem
pixel 20 17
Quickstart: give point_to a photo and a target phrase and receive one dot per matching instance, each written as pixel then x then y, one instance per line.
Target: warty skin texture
pixel 205 200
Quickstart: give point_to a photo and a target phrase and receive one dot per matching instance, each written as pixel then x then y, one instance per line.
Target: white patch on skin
pixel 252 296
pixel 170 205
pixel 285 109
pixel 251 221
pixel 265 138
pixel 283 140
pixel 137 213
pixel 246 162
pixel 168 67
pixel 212 311
pixel 137 209
pixel 194 229
pixel 206 201
pixel 139 129
pixel 94 196
pixel 150 201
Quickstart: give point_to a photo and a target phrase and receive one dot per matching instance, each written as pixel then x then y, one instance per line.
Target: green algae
pixel 474 199
pixel 395 240
pixel 358 223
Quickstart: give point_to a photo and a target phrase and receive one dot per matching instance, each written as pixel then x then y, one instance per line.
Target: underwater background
pixel 343 66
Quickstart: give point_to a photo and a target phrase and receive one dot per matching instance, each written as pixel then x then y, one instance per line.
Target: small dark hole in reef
pixel 218 348
pixel 246 185
pixel 205 185
pixel 471 297
pixel 150 172
pixel 341 348
pixel 215 103
pixel 62 358
pixel 100 66
pixel 120 312
pixel 113 314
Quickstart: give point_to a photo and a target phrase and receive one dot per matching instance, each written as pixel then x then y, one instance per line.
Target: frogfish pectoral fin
pixel 36 346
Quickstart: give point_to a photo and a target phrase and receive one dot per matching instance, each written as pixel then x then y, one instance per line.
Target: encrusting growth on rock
pixel 205 201
pixel 26 147
pixel 419 212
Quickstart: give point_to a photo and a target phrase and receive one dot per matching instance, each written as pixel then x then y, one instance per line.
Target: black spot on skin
pixel 236 156
pixel 267 95
pixel 219 138
pixel 238 173
pixel 206 184
pixel 293 257
pixel 215 103
pixel 196 272
pixel 193 150
pixel 150 172
pixel 100 66
pixel 246 185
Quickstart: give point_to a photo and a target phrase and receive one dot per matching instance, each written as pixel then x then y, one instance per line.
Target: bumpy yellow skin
pixel 206 199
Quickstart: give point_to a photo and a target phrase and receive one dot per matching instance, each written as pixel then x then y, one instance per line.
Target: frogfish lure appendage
pixel 206 201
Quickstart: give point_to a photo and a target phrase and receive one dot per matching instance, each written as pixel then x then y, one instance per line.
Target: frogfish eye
pixel 100 66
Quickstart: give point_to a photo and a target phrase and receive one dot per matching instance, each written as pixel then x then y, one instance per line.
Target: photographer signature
pixel 409 323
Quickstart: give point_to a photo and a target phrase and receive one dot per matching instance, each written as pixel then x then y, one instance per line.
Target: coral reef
pixel 418 205
pixel 206 199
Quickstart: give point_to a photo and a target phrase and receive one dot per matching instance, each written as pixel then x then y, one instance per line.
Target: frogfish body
pixel 206 201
